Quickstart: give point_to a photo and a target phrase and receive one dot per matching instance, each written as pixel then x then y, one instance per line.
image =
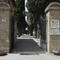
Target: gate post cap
pixel 52 6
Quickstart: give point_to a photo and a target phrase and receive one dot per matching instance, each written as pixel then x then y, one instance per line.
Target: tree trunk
pixel 31 30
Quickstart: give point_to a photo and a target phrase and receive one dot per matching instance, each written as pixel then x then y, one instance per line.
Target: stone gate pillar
pixel 53 26
pixel 4 27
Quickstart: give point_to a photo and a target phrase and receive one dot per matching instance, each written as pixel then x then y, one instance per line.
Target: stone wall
pixel 53 36
pixel 4 28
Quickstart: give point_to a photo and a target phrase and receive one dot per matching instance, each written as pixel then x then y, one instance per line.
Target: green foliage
pixel 35 6
pixel 19 12
pixel 38 6
pixel 19 9
pixel 49 1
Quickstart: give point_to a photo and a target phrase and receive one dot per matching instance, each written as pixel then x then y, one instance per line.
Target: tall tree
pixel 19 16
pixel 37 7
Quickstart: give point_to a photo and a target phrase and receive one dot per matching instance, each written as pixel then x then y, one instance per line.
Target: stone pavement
pixel 27 36
pixel 28 45
pixel 45 56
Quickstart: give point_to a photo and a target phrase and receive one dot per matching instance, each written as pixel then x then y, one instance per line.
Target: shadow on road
pixel 26 45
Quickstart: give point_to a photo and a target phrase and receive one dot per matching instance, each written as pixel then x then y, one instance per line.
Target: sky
pixel 26 11
pixel 25 6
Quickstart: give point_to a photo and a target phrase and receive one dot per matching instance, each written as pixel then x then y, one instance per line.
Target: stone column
pixel 53 26
pixel 4 27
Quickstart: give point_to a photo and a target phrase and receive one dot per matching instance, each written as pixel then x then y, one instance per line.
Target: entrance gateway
pixel 53 26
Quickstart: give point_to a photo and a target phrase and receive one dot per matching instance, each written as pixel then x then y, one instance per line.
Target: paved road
pixel 25 43
pixel 30 57
pixel 21 45
pixel 25 36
